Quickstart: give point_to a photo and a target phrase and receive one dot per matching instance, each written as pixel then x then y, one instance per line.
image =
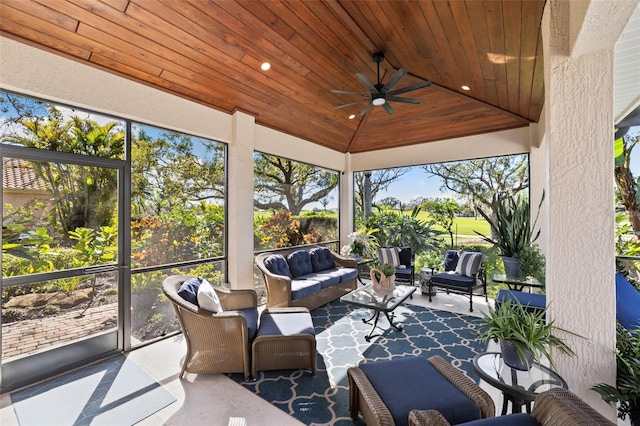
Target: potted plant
pixel 383 278
pixel 524 334
pixel 511 230
pixel 362 244
pixel 626 393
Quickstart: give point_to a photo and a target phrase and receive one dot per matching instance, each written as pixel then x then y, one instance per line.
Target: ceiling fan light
pixel 378 101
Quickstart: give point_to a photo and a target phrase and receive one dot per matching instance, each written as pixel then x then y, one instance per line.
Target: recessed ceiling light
pixel 352 116
pixel 265 66
pixel 466 88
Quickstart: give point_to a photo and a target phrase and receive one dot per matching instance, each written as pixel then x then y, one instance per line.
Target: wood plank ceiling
pixel 211 52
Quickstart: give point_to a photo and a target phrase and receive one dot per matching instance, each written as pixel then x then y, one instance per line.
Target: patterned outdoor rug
pixel 113 392
pixel 340 332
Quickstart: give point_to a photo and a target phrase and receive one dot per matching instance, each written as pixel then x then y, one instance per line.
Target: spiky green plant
pixel 528 331
pixel 511 227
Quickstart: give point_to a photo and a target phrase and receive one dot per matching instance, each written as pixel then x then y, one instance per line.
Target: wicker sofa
pixel 306 278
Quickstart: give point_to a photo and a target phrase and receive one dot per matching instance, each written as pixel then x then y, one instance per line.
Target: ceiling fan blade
pixel 388 108
pixel 409 88
pixel 366 109
pixel 395 79
pixel 344 92
pixel 363 78
pixel 406 100
pixel 352 103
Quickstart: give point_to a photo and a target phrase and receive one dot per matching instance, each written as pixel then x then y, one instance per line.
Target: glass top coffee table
pixel 517 386
pixel 516 283
pixel 365 298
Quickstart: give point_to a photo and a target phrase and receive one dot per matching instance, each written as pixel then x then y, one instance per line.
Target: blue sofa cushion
pixel 189 290
pixel 299 263
pixel 519 419
pixel 450 260
pixel 347 274
pixel 251 314
pixel 321 259
pixel 277 264
pixel 627 303
pixel 286 324
pixel 453 280
pixel 403 273
pixel 531 301
pixel 302 288
pixel 325 278
pixel 412 383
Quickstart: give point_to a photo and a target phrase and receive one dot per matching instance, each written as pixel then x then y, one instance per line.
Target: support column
pixel 240 201
pixel 579 129
pixel 346 201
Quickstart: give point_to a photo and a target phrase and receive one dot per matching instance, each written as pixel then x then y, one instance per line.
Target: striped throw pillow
pixel 469 263
pixel 388 255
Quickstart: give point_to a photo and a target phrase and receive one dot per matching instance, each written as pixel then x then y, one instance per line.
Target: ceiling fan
pixel 381 94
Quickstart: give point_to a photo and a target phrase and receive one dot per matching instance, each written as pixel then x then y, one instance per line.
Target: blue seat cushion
pixel 450 260
pixel 303 288
pixel 403 273
pixel 531 301
pixel 189 290
pixel 251 314
pixel 286 324
pixel 321 259
pixel 325 278
pixel 520 419
pixel 627 303
pixel 453 280
pixel 277 264
pixel 412 383
pixel 299 263
pixel 347 274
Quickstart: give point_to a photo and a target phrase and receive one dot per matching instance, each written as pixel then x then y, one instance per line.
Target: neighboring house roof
pixel 18 174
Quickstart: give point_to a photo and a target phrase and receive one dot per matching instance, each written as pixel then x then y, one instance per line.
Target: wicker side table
pixel 286 340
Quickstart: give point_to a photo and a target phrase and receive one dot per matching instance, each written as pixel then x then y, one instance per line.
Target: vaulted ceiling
pixel 211 52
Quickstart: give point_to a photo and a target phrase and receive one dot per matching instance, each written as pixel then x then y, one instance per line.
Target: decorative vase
pixel 511 266
pixel 382 285
pixel 512 359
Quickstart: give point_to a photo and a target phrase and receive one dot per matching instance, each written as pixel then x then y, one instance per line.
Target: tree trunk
pixel 367 195
pixel 627 188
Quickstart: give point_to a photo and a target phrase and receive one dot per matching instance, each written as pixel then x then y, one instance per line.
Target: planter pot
pixel 511 266
pixel 384 285
pixel 512 359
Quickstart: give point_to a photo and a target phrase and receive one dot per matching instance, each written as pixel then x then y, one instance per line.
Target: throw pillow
pixel 207 297
pixel 189 290
pixel 388 255
pixel 469 263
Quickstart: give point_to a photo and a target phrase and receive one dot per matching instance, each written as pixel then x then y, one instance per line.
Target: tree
pixel 485 181
pixel 392 202
pixel 283 184
pixel 627 185
pixel 369 183
pixel 444 213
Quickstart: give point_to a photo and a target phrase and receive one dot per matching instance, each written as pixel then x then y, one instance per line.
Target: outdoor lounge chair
pixel 216 342
pixel 402 258
pixel 463 273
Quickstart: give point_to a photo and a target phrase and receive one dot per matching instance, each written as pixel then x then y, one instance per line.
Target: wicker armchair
pixel 216 342
pixel 555 407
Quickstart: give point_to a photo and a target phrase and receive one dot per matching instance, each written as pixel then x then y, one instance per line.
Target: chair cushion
pixel 299 263
pixel 450 260
pixel 286 324
pixel 277 264
pixel 251 314
pixel 388 255
pixel 531 301
pixel 453 280
pixel 347 274
pixel 627 303
pixel 207 297
pixel 405 256
pixel 403 273
pixel 469 263
pixel 189 290
pixel 519 419
pixel 412 383
pixel 303 288
pixel 325 278
pixel 321 259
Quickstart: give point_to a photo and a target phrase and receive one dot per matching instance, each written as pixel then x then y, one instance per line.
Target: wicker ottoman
pixel 285 340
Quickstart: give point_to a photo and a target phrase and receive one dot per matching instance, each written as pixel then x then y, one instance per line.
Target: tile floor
pixel 215 400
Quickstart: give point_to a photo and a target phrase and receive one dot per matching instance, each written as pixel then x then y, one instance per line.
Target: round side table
pixel 517 386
